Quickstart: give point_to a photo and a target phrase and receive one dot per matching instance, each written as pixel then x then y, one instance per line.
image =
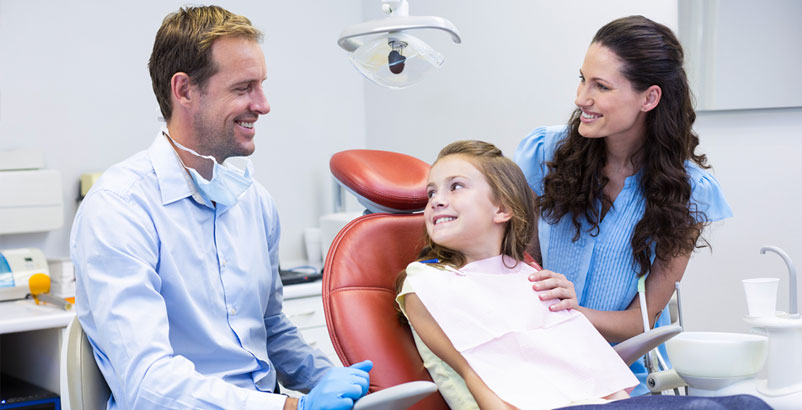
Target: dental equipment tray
pixel 299 275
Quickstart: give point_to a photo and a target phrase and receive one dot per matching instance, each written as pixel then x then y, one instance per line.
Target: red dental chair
pixel 365 258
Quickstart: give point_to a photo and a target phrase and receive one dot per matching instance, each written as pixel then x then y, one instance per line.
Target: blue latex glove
pixel 339 388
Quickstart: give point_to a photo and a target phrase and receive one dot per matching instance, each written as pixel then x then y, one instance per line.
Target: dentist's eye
pixel 603 87
pixel 581 78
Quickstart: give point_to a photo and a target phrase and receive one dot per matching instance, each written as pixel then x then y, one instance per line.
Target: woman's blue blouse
pixel 602 267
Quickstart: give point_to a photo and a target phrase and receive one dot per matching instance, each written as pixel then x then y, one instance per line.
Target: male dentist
pixel 176 254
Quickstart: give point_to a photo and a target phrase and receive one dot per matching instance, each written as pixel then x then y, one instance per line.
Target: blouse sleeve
pixel 534 151
pixel 406 287
pixel 708 197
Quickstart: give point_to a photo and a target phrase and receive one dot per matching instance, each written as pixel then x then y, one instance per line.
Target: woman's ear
pixel 180 86
pixel 502 214
pixel 651 98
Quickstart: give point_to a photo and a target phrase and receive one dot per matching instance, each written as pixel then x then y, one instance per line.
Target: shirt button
pixel 232 310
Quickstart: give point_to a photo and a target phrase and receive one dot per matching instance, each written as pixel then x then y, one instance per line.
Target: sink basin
pixel 716 354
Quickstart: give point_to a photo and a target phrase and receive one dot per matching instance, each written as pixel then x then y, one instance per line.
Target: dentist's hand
pixel 552 285
pixel 339 388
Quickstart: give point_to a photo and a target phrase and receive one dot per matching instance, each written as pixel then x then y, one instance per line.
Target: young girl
pixel 485 341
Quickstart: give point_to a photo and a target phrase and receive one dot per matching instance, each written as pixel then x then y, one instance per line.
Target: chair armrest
pixel 633 348
pixel 399 397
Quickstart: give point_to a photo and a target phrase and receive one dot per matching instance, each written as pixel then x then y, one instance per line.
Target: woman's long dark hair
pixel 651 55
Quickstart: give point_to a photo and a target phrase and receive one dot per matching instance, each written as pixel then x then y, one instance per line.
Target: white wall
pixel 757 157
pixel 74 83
pixel 517 69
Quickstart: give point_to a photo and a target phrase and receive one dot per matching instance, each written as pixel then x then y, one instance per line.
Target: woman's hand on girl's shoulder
pixel 552 285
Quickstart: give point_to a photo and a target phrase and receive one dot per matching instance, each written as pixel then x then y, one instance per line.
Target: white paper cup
pixel 761 296
pixel 314 247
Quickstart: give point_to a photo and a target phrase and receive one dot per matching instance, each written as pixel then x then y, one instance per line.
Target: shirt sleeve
pixel 707 195
pixel 299 366
pixel 534 151
pixel 115 248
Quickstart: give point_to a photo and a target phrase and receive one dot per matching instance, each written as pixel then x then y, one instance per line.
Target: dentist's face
pixel 231 100
pixel 610 106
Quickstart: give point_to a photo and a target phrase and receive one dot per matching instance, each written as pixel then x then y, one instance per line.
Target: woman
pixel 622 192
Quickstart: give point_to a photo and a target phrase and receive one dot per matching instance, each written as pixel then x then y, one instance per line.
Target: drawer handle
pixel 307 313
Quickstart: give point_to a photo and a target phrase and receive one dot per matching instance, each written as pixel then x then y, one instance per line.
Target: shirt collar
pixel 174 181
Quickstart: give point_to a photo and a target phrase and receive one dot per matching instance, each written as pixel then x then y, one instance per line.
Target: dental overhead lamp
pixel 386 53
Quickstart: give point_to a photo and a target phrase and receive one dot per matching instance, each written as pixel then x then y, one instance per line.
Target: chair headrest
pixel 382 181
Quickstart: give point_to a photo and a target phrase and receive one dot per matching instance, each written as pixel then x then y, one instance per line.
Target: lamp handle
pixel 390 24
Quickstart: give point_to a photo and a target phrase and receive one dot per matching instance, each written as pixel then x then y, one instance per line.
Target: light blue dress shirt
pixel 602 267
pixel 181 300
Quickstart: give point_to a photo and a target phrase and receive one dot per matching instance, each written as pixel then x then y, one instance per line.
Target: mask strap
pixel 190 150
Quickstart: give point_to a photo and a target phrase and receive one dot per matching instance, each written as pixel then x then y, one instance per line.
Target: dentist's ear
pixel 652 97
pixel 180 87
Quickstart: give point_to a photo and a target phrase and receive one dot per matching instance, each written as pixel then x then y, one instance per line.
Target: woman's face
pixel 610 106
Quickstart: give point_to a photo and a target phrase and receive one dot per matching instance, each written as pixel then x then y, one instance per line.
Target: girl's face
pixel 610 106
pixel 462 214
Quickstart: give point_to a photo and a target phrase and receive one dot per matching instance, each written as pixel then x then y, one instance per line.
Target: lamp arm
pixel 348 36
pixel 395 7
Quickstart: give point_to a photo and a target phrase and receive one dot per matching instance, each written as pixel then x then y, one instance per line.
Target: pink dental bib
pixel 531 357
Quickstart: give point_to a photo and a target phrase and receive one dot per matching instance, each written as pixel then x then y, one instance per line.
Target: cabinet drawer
pixel 305 312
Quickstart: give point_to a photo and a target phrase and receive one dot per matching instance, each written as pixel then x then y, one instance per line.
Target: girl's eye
pixel 430 194
pixel 456 186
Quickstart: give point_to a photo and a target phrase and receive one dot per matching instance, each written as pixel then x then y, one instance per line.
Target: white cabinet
pixel 303 305
pixel 30 341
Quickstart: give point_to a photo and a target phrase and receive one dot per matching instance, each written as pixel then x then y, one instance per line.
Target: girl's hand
pixel 552 285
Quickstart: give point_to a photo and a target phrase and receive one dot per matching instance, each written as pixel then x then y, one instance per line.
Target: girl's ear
pixel 502 214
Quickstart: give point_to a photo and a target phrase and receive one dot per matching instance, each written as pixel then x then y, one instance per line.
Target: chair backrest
pixel 359 299
pixel 86 387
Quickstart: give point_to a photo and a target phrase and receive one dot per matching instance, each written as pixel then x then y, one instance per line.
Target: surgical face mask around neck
pixel 228 183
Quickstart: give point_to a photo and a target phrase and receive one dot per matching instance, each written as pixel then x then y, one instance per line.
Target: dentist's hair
pixel 510 191
pixel 184 44
pixel 650 54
